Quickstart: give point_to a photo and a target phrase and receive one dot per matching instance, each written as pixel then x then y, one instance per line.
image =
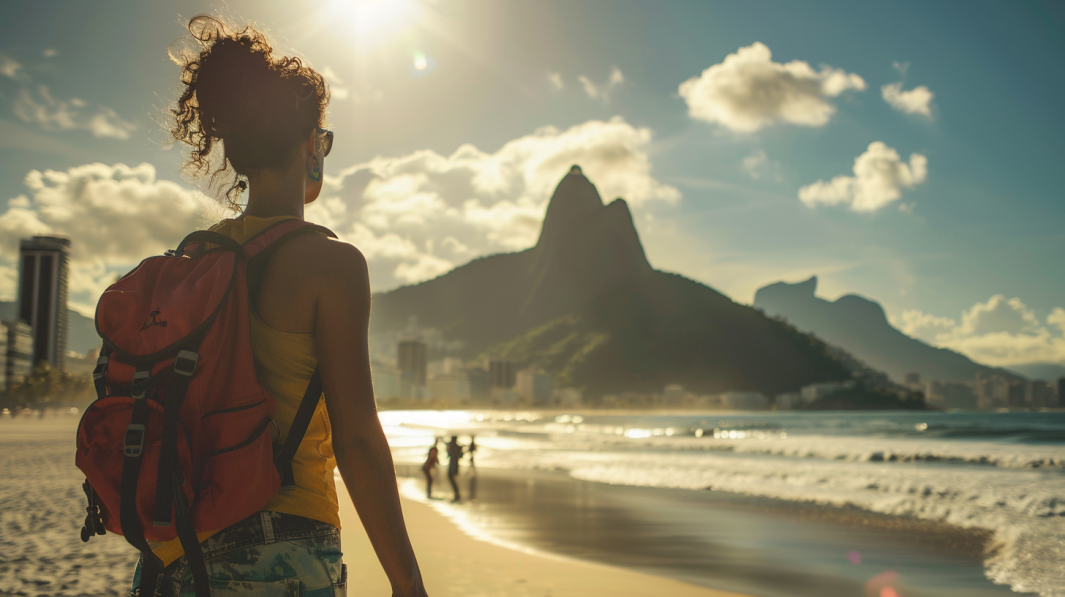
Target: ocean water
pixel 1004 472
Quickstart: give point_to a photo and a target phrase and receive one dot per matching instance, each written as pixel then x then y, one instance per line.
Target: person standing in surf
pixel 428 468
pixel 454 455
pixel 256 119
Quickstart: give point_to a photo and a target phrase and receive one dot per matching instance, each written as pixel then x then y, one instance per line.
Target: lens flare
pixel 420 61
pixel 854 557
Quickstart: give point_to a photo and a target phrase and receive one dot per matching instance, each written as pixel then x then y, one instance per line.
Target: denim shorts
pixel 269 554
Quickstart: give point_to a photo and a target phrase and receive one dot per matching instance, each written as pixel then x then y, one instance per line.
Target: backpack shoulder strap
pixel 278 234
pixel 302 420
pixel 260 249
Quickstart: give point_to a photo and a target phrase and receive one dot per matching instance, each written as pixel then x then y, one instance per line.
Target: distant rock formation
pixel 859 326
pixel 586 306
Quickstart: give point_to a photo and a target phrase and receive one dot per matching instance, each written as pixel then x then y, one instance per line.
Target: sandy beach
pixel 41 553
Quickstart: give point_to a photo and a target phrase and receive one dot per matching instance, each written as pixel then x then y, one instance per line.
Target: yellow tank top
pixel 284 363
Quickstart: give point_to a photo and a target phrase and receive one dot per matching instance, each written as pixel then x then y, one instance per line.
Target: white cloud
pixel 902 67
pixel 114 215
pixel 922 325
pixel 915 101
pixel 337 90
pixel 879 178
pixel 1057 319
pixel 58 115
pixel 758 165
pixel 418 215
pixel 8 67
pixel 748 91
pixel 602 91
pixel 1000 332
pixel 589 87
pixel 50 52
pixel 556 80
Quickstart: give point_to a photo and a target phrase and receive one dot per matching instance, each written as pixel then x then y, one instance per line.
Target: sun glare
pixel 372 21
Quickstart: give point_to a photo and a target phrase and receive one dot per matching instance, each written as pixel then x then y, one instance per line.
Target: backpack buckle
pixel 140 383
pixel 185 363
pixel 133 444
pixel 101 368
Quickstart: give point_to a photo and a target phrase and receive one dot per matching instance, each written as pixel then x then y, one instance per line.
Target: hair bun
pixel 231 72
pixel 236 91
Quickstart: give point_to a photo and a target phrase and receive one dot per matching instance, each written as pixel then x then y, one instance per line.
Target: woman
pixel 427 469
pixel 313 308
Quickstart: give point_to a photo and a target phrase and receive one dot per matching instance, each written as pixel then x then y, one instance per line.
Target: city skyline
pixel 442 154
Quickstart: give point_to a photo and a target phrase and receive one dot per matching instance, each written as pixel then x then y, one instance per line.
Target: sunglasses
pixel 326 138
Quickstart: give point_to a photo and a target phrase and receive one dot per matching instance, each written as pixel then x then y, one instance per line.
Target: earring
pixel 314 172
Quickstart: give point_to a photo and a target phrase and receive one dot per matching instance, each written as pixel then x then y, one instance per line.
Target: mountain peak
pixel 575 198
pixel 768 296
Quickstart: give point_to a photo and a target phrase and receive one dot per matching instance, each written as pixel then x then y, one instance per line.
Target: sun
pixel 372 22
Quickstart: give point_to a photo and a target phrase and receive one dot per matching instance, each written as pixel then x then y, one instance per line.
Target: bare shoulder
pixel 330 262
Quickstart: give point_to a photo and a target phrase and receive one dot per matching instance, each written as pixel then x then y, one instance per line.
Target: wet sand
pixel 756 546
pixel 456 564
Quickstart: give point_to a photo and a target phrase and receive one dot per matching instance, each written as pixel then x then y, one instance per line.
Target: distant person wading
pixel 255 121
pixel 454 455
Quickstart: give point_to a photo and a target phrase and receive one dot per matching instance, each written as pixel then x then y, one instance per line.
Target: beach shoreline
pixel 954 552
pixel 968 542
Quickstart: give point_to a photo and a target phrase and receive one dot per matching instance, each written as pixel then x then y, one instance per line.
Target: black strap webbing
pixel 283 460
pixel 99 373
pixel 151 570
pixel 132 530
pixel 168 456
pixel 189 541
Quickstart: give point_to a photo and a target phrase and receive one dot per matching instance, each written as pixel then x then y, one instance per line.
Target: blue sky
pixel 979 214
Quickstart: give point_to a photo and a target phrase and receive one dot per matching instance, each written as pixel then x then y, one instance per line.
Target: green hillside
pixel 586 306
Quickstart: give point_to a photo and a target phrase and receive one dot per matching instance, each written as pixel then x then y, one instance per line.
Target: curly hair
pixel 238 93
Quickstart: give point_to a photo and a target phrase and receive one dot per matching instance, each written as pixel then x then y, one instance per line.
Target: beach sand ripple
pixel 41 513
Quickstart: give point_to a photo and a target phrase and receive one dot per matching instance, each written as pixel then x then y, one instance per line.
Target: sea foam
pixel 1017 491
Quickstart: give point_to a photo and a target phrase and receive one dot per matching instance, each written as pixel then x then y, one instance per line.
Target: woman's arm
pixel 362 453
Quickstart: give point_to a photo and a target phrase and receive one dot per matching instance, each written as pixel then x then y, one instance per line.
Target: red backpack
pixel 180 439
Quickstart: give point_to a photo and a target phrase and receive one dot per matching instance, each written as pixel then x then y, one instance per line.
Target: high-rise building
pixel 44 263
pixel 1017 394
pixel 534 387
pixel 502 373
pixel 413 360
pixel 17 353
pixel 992 391
pixel 1041 394
pixel 1061 392
pixel 951 394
